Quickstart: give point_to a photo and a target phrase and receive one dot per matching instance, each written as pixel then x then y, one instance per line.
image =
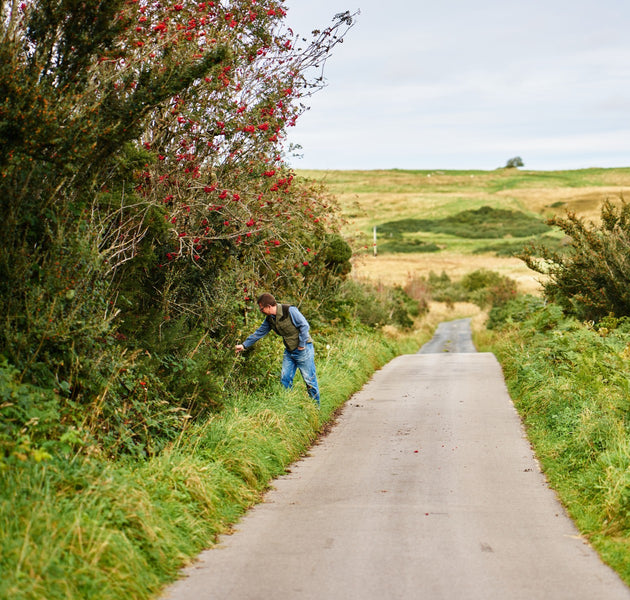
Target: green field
pixel 377 198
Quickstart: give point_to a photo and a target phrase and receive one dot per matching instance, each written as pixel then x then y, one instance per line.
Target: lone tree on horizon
pixel 517 161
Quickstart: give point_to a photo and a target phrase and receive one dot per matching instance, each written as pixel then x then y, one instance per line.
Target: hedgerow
pixel 146 203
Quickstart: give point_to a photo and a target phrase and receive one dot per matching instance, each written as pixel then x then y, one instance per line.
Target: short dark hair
pixel 266 300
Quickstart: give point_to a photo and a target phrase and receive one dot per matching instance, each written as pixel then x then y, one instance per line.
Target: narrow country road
pixel 450 336
pixel 426 488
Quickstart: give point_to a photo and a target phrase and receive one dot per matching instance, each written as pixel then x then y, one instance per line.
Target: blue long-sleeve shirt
pixel 297 318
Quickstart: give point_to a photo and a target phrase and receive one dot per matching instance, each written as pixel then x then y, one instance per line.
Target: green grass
pixel 482 223
pixel 513 248
pixel 571 385
pixel 412 181
pixel 88 528
pixel 370 199
pixel 441 204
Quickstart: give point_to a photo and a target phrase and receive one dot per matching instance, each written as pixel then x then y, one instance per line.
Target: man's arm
pixel 261 332
pixel 302 325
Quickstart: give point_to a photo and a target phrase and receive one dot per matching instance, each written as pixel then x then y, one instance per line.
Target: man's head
pixel 267 304
pixel 265 300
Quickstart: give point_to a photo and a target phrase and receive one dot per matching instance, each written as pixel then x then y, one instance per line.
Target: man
pixel 289 323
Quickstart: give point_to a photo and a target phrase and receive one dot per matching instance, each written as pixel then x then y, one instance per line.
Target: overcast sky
pixel 463 84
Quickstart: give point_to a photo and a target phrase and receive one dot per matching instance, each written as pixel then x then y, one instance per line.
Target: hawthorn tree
pixel 142 180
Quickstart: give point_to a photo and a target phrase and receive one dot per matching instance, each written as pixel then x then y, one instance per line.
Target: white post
pixel 374 244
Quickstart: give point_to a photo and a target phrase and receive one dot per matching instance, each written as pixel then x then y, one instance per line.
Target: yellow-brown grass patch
pixel 585 201
pixel 398 269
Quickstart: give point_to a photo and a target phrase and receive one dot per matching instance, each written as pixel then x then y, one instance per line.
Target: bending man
pixel 289 323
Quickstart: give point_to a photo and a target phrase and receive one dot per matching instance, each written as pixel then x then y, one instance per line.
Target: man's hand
pixel 301 348
pixel 239 347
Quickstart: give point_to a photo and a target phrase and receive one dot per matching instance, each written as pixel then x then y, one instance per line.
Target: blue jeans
pixel 304 360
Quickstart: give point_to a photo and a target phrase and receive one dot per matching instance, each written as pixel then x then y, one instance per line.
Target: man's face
pixel 266 310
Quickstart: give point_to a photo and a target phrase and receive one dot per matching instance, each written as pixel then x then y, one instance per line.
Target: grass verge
pixel 86 528
pixel 571 385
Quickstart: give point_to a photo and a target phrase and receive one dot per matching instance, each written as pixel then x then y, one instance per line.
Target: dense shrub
pixel 484 222
pixel 145 203
pixel 443 289
pixel 516 310
pixel 336 255
pixel 374 305
pixel 591 279
pixel 514 162
pixel 29 416
pixel 482 287
pixel 488 288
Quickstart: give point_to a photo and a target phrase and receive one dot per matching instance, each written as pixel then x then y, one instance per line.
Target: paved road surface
pixel 450 336
pixel 425 489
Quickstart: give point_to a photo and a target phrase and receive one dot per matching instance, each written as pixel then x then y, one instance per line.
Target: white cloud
pixel 458 84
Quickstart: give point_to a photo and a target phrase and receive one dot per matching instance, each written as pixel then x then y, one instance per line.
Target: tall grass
pixel 84 528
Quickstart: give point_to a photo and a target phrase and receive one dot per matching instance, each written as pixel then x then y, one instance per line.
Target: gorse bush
pixel 484 222
pixel 515 310
pixel 591 277
pixel 336 255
